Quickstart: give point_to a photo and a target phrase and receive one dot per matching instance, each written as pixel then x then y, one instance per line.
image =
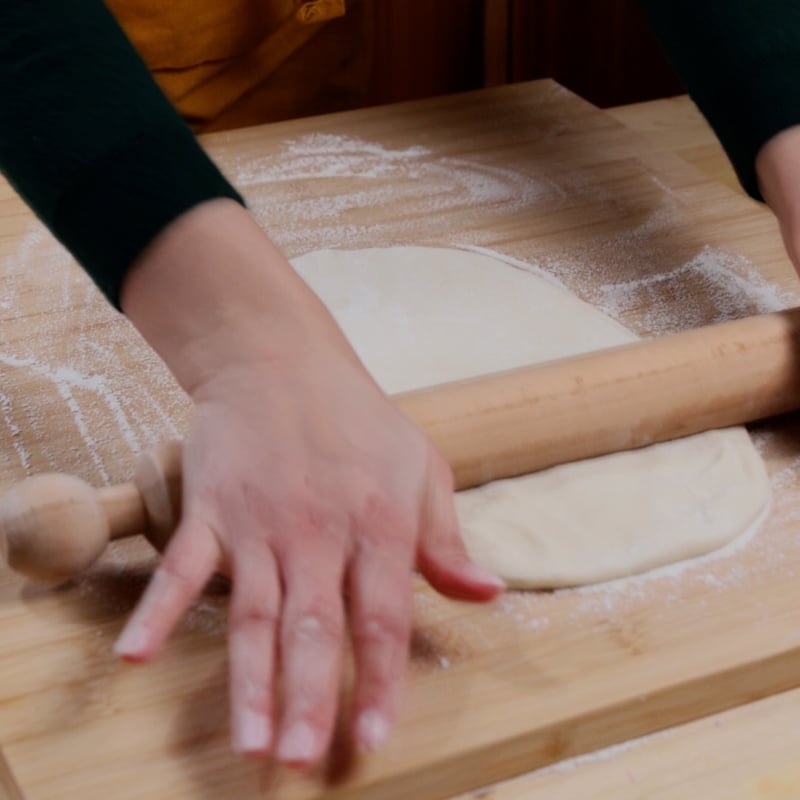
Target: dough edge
pixel 524 568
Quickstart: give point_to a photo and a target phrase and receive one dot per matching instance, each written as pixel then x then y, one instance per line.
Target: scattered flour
pixel 351 199
pixel 75 357
pixel 730 282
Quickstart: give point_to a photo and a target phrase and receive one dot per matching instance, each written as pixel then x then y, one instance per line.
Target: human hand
pixel 302 481
pixel 778 170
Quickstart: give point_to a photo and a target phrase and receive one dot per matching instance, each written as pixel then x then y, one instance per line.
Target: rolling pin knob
pixel 53 527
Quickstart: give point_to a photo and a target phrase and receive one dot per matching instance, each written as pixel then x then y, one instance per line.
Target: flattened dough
pixel 422 316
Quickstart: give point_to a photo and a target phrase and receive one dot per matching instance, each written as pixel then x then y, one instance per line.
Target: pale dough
pixel 421 316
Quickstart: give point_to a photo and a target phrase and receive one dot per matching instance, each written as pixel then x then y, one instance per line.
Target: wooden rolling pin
pixel 498 426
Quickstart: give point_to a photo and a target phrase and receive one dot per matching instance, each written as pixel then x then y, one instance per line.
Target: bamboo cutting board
pixel 543 179
pixel 745 753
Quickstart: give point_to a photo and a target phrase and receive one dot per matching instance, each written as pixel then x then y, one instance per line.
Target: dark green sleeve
pixel 740 62
pixel 88 139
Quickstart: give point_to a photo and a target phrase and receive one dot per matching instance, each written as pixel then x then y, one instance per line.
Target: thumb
pixel 441 555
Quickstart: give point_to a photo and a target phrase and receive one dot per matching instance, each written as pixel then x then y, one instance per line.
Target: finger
pixel 441 555
pixel 312 637
pixel 186 566
pixel 380 589
pixel 252 639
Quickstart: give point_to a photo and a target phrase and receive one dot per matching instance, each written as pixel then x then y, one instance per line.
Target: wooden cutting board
pixel 746 753
pixel 529 172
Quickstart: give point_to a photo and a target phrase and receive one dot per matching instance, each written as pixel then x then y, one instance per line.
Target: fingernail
pixel 481 575
pixel 252 732
pixel 372 730
pixel 132 642
pixel 298 744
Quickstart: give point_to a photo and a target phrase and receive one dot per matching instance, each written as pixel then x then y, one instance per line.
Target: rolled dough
pixel 421 316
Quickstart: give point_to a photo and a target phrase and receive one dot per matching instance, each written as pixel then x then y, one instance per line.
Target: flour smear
pixel 74 359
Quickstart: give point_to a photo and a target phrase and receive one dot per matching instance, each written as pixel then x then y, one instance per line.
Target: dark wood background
pixel 601 49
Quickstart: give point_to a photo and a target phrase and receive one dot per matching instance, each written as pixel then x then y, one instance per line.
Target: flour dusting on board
pixel 313 192
pixel 730 282
pixel 73 358
pixel 324 190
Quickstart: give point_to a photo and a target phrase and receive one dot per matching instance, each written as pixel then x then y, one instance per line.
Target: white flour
pixel 75 357
pixel 307 194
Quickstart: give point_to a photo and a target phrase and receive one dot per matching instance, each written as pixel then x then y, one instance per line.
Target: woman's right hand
pixel 301 480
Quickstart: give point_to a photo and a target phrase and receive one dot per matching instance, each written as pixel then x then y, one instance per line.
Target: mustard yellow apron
pixel 228 63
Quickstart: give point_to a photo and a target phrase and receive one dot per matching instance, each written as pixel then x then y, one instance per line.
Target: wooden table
pixel 536 175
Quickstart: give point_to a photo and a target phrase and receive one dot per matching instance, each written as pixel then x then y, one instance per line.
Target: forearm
pixel 88 139
pixel 740 61
pixel 212 290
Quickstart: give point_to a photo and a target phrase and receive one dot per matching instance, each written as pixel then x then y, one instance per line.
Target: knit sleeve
pixel 88 139
pixel 740 62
